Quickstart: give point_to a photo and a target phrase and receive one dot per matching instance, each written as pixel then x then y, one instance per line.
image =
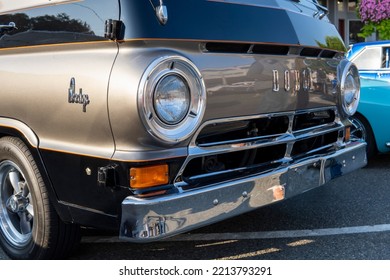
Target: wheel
pixel 361 129
pixel 29 226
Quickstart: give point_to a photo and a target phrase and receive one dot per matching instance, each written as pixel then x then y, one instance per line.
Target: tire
pixel 29 226
pixel 361 129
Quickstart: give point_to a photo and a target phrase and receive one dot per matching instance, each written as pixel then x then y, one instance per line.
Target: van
pixel 156 117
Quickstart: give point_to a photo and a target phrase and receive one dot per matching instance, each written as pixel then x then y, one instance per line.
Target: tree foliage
pixel 60 22
pixel 375 14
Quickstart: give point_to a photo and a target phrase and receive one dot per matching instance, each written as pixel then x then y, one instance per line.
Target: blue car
pixel 371 120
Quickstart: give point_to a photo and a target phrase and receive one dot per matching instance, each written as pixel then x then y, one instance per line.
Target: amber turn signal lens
pixel 347 134
pixel 150 176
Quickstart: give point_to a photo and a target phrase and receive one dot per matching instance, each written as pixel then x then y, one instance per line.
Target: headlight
pixel 171 98
pixel 349 87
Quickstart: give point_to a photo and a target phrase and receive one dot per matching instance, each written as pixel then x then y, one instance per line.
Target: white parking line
pixel 256 235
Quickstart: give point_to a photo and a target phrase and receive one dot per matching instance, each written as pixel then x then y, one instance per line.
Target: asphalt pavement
pixel 346 219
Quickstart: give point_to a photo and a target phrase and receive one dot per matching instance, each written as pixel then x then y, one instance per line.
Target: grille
pixel 239 131
pixel 230 149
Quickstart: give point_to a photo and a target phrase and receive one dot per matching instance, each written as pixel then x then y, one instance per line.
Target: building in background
pixel 342 13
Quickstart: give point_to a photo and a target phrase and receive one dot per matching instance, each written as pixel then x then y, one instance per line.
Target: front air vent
pixel 313 119
pixel 328 54
pixel 227 47
pixel 238 147
pixel 314 145
pixel 207 170
pixel 229 133
pixel 247 48
pixel 310 52
pixel 270 49
pixel 267 49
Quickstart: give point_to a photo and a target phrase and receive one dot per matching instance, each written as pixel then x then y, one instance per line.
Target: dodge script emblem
pixel 79 98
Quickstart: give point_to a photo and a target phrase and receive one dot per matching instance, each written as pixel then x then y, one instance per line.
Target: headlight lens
pixel 349 87
pixel 171 99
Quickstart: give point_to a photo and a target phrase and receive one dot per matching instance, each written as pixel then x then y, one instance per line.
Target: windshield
pixel 12 6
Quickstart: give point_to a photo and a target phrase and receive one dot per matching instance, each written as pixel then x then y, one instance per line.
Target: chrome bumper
pixel 145 220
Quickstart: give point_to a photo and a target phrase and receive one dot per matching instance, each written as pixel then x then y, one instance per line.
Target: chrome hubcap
pixel 16 208
pixel 17 203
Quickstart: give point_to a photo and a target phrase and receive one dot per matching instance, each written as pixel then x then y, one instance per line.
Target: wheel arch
pixel 366 122
pixel 12 127
pixel 18 129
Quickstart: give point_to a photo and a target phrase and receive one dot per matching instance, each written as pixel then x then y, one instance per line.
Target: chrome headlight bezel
pixel 182 128
pixel 348 76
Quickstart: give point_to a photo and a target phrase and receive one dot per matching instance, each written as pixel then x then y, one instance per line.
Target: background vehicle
pixel 371 120
pixel 153 118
